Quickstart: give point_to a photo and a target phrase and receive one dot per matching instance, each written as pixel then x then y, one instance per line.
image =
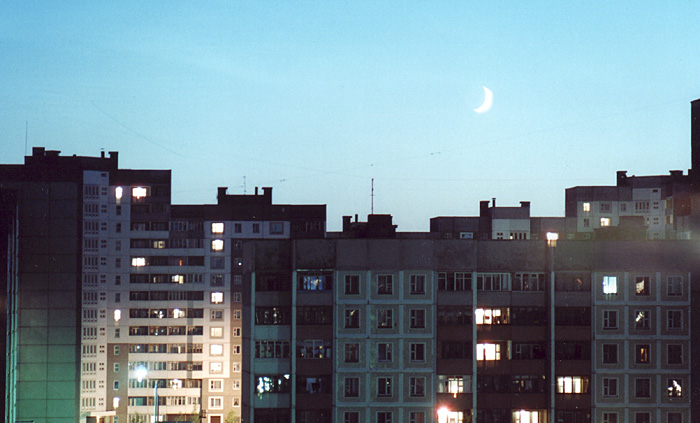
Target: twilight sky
pixel 317 98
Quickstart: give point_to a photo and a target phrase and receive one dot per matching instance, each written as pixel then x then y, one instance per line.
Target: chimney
pixel 37 151
pixel 493 201
pixel 621 178
pixel 102 154
pixel 267 193
pixel 221 194
pixel 695 138
pixel 346 223
pixel 114 155
pixel 256 190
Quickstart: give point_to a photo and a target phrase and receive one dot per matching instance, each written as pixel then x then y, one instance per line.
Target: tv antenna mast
pixel 372 197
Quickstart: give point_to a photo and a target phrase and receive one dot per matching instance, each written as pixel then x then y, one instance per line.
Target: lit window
pixel 138 261
pixel 610 285
pixel 586 207
pixel 525 416
pixel 572 385
pixel 217 297
pixel 216 367
pixel 491 316
pixel 674 388
pixel 139 192
pixel 217 227
pixel 118 193
pixel 117 315
pixel 641 285
pixel 642 319
pixel 115 402
pixel 452 384
pixel 177 313
pixel 488 352
pixel 642 352
pixel 216 332
pixel 217 245
pixel 604 221
pixel 216 349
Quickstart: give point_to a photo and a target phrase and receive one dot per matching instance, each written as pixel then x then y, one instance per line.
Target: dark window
pixel 529 351
pixel 352 352
pixel 528 316
pixel 454 350
pixel 454 316
pixel 642 388
pixel 573 350
pixel 314 315
pixel 493 383
pixel 417 318
pixel 385 284
pixel 573 282
pixel 573 316
pixel 417 284
pixel 527 384
pixel 271 315
pixel 352 318
pixel 529 282
pixel 675 354
pixel 352 284
pixel 279 282
pixel 609 353
pixel 454 281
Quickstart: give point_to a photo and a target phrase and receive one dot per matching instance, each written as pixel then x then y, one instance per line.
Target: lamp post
pixel 141 373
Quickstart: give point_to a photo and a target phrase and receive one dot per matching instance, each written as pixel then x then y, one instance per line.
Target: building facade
pixel 422 329
pixel 120 303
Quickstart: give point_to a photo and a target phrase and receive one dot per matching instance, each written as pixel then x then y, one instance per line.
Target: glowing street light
pixel 141 373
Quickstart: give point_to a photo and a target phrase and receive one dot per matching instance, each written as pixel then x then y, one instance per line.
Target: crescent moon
pixel 488 101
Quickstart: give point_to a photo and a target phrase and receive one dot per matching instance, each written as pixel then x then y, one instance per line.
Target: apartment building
pixel 364 327
pixel 120 304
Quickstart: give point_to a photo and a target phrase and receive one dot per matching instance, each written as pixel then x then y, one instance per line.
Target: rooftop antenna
pixel 244 191
pixel 372 196
pixel 26 135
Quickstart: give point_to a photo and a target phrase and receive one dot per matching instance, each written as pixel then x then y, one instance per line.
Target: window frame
pixel 417 284
pixel 607 355
pixel 384 387
pixel 385 284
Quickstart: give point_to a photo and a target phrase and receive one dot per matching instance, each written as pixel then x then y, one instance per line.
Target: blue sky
pixel 317 98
